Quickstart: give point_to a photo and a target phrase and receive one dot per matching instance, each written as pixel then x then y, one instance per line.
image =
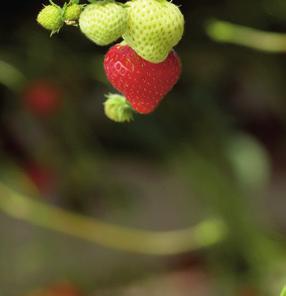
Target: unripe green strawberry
pixel 72 12
pixel 154 28
pixel 103 22
pixel 50 17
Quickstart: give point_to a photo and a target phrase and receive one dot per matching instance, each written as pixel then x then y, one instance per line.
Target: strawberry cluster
pixel 144 66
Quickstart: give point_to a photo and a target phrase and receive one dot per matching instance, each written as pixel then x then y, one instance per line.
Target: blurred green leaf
pixel 10 76
pixel 249 161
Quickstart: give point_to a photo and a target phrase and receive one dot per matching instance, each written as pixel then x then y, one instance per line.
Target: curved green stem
pixel 205 234
pixel 221 31
pixel 11 77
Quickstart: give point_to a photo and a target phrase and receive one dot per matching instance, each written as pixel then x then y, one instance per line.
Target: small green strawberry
pixel 72 13
pixel 118 109
pixel 103 22
pixel 50 17
pixel 154 28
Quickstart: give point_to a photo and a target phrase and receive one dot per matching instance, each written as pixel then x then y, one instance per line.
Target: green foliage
pixel 250 162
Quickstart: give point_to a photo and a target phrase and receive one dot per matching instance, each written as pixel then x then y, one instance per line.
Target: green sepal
pixel 54 4
pixel 118 109
pixel 71 13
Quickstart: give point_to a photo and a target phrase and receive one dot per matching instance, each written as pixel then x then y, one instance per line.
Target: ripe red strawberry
pixel 42 98
pixel 144 84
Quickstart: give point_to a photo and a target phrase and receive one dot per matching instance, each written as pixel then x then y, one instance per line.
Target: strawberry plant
pixel 144 67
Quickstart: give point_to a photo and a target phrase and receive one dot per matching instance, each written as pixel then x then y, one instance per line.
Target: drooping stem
pixel 222 31
pixel 205 234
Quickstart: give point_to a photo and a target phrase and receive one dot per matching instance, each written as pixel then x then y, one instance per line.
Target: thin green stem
pixel 11 77
pixel 221 31
pixel 203 235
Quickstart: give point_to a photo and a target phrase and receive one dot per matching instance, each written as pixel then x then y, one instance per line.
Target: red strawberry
pixel 42 97
pixel 144 84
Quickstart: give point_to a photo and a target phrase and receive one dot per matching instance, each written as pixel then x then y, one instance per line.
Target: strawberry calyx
pixel 54 4
pixel 71 12
pixel 118 109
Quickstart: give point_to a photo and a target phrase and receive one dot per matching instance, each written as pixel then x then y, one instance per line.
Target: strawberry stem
pixel 205 234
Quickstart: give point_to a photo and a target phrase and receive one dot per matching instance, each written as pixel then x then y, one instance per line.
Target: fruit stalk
pixel 205 234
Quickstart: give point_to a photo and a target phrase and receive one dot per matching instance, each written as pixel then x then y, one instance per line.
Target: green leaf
pixel 283 292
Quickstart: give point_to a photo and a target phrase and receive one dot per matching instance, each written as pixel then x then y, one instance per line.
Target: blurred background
pixel 190 200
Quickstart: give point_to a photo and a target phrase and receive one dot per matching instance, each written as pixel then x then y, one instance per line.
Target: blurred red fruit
pixel 42 98
pixel 42 177
pixel 248 291
pixel 61 289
